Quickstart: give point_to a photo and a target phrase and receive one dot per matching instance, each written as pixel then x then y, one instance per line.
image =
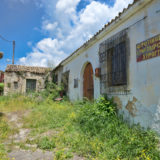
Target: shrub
pixel 51 92
pixel 93 116
pixel 107 136
pixel 1 88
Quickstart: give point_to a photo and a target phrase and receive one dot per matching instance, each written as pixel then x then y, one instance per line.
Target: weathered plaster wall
pixel 11 77
pixel 144 76
pixel 142 103
pixel 77 67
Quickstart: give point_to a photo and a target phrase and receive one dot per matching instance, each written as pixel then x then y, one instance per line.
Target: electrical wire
pixel 5 39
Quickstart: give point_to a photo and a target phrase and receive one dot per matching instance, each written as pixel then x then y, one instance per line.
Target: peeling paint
pixel 131 107
pixel 118 102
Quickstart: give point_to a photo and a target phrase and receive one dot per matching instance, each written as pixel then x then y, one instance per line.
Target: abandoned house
pixel 121 60
pixel 22 79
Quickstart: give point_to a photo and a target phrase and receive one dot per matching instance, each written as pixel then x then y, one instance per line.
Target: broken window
pixel 15 85
pixel 75 83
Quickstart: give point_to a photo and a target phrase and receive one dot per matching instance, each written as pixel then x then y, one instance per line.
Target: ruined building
pixel 22 79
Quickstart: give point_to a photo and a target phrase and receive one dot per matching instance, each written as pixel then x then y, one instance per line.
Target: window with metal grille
pixel 116 65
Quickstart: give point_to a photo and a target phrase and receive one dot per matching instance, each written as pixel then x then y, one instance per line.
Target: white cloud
pixel 67 5
pixel 46 50
pixel 68 28
pixel 50 27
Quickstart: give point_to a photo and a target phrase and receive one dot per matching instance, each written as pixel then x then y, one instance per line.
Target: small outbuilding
pixel 22 79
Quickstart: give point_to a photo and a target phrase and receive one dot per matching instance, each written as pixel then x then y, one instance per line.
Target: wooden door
pixel 88 86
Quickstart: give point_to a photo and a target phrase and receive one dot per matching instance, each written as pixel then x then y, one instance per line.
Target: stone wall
pixel 20 77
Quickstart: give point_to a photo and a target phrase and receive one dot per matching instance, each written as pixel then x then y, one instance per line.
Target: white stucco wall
pixel 77 67
pixel 142 103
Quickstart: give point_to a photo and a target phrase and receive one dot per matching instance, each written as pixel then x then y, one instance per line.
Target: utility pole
pixel 13 43
pixel 13 51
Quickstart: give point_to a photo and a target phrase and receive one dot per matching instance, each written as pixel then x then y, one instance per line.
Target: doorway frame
pixel 81 79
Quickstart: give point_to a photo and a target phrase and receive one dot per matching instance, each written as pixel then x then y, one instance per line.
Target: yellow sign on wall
pixel 148 49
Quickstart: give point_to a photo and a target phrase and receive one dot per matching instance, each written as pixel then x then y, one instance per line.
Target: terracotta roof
pixel 19 68
pixel 94 36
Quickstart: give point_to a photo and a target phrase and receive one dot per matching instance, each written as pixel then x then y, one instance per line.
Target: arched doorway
pixel 88 86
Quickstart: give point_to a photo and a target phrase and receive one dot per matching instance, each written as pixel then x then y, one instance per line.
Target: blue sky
pixel 47 31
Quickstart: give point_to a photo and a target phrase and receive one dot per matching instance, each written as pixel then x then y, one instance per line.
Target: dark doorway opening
pixel 30 85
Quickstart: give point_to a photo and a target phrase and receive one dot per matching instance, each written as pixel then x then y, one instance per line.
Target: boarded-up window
pixel 75 83
pixel 30 85
pixel 15 85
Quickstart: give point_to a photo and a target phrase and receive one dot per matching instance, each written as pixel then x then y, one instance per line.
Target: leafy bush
pixel 93 116
pixel 2 85
pixel 1 88
pixel 51 92
pixel 107 136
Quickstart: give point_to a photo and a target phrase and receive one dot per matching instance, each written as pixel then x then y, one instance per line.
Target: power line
pixel 13 44
pixel 5 39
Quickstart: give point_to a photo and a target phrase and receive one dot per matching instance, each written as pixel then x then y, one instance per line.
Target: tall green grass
pixel 12 103
pixel 92 130
pixel 15 102
pixel 4 133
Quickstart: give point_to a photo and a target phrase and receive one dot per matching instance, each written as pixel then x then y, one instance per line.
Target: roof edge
pixel 103 29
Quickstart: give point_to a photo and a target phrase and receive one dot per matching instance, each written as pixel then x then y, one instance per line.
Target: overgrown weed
pixel 4 133
pixel 11 103
pixel 90 129
pixel 94 130
pixel 15 102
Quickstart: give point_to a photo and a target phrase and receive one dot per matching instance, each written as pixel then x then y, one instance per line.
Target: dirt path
pixel 12 144
pixel 14 141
